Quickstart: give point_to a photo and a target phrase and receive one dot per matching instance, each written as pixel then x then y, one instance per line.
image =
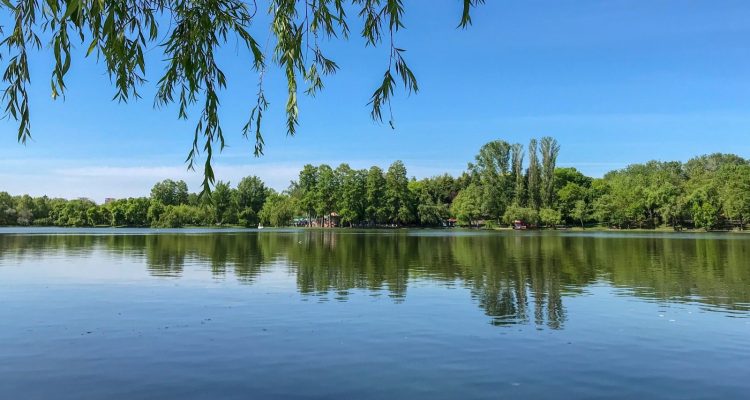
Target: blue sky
pixel 616 82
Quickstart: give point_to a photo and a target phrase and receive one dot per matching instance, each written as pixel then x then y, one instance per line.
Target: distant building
pixel 109 200
pixel 520 225
pixel 331 220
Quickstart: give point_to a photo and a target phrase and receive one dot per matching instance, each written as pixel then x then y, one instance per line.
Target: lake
pixel 403 314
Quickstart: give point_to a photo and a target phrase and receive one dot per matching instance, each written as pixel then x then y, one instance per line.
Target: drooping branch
pixel 120 32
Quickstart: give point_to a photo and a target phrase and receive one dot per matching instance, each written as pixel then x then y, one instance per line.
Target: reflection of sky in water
pixel 431 314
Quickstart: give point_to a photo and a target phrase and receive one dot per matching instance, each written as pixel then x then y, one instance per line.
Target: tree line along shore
pixel 506 185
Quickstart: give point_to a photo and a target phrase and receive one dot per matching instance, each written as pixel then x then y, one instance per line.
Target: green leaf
pixel 92 46
pixel 73 6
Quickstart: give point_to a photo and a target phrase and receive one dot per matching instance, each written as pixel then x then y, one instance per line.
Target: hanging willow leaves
pixel 190 33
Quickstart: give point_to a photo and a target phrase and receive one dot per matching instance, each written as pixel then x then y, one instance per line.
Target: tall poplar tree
pixel 534 178
pixel 493 169
pixel 549 149
pixel 518 175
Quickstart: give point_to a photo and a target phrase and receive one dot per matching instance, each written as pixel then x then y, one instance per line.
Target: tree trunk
pixel 651 218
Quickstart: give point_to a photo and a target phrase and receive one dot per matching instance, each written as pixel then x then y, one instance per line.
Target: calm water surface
pixel 141 314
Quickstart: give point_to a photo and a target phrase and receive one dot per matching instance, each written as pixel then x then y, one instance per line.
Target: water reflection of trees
pixel 513 278
pixel 242 255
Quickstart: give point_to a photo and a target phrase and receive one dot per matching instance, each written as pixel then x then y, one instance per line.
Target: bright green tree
pixel 170 193
pixel 432 196
pixel 250 195
pixel 375 209
pixel 223 206
pixel 397 195
pixel 492 166
pixel 704 208
pixel 568 197
pixel 734 192
pixel 527 215
pixel 550 217
pixel 467 206
pixel 7 209
pixel 278 210
pixel 353 194
pixel 326 191
pixel 24 210
pixel 580 212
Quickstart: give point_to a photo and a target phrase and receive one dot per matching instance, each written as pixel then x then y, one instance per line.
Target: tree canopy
pixel 708 192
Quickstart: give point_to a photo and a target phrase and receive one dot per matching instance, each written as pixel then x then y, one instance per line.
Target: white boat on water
pixel 260 226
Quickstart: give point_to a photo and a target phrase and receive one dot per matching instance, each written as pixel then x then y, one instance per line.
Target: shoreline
pixel 662 230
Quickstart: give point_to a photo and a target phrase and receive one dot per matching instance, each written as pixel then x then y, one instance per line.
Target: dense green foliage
pixel 189 34
pixel 707 192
